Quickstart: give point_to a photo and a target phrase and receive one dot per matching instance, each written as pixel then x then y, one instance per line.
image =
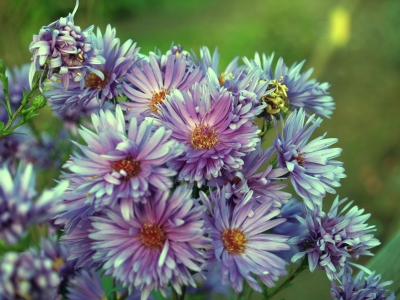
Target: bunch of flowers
pixel 170 188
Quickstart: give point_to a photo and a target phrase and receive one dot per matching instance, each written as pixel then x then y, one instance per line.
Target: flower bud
pixel 39 101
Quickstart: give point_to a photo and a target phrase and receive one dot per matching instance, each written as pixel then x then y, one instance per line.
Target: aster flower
pixel 118 60
pixel 264 184
pixel 64 45
pixel 18 81
pixel 239 243
pixel 312 171
pixel 357 289
pixel 161 244
pixel 203 122
pixel 292 89
pixel 120 165
pixel 27 276
pixel 85 285
pixel 18 211
pixel 149 82
pixel 335 238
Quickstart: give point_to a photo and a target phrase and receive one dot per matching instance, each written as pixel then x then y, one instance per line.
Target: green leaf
pixel 387 263
pixel 157 295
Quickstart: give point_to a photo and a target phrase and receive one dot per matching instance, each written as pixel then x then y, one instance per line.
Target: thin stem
pixel 303 266
pixel 175 295
pixel 124 295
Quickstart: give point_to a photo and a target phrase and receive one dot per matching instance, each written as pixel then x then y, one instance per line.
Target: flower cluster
pixel 171 187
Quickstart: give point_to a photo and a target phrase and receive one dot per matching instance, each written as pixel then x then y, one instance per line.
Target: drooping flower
pixel 334 238
pixel 64 45
pixel 358 289
pixel 18 211
pixel 162 244
pixel 27 276
pixel 312 171
pixel 239 241
pixel 118 60
pixel 120 164
pixel 265 184
pixel 203 122
pixel 292 89
pixel 149 82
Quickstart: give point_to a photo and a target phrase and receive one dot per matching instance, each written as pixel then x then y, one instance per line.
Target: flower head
pixel 17 209
pixel 334 238
pixel 118 60
pixel 292 88
pixel 202 120
pixel 312 170
pixel 85 285
pixel 239 241
pixel 27 276
pixel 66 46
pixel 161 244
pixel 120 164
pixel 357 289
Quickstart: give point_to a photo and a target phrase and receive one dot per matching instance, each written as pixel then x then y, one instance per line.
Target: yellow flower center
pixel 277 100
pixel 152 236
pixel 58 263
pixel 234 240
pixel 95 82
pixel 129 165
pixel 158 98
pixel 203 137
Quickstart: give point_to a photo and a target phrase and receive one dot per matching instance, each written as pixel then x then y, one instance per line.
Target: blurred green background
pixel 354 45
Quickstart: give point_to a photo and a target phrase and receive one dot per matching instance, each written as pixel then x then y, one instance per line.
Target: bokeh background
pixel 353 44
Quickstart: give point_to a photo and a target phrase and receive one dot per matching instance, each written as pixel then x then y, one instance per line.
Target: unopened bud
pixel 39 101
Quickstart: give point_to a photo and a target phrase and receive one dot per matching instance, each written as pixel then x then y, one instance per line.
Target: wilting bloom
pixel 238 240
pixel 118 60
pixel 85 285
pixel 312 170
pixel 18 81
pixel 265 184
pixel 148 84
pixel 203 122
pixel 292 89
pixel 66 46
pixel 18 211
pixel 162 244
pixel 335 238
pixel 122 165
pixel 27 276
pixel 358 289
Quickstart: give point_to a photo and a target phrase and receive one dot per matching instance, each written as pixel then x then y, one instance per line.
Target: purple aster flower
pixel 120 164
pixel 312 170
pixel 64 45
pixel 58 254
pixel 18 211
pixel 18 81
pixel 162 244
pixel 292 88
pixel 239 241
pixel 264 184
pixel 149 82
pixel 118 60
pixel 85 285
pixel 356 289
pixel 27 276
pixel 335 238
pixel 203 122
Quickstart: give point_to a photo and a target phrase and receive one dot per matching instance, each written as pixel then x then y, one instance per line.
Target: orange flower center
pixel 236 180
pixel 130 165
pixel 234 240
pixel 152 236
pixel 158 98
pixel 94 82
pixel 203 137
pixel 300 159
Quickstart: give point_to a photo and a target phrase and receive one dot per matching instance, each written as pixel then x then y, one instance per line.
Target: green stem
pixel 303 266
pixel 175 295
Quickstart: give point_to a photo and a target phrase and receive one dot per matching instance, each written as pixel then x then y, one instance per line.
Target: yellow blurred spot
pixel 339 26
